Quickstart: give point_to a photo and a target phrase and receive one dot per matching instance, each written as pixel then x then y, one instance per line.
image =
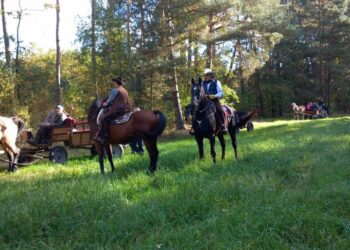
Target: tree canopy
pixel 267 54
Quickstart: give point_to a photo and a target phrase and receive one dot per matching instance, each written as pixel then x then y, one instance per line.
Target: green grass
pixel 290 190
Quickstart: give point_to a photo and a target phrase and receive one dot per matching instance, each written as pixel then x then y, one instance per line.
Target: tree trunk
pixel 196 56
pixel 58 55
pixel 17 36
pixel 173 74
pixel 227 77
pixel 111 4
pixel 6 37
pixel 142 22
pixel 93 46
pixel 128 32
pixel 320 49
pixel 240 66
pixel 189 50
pixel 17 51
pixel 209 51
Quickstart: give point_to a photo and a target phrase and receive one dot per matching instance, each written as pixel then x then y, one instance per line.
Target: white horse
pixel 10 129
pixel 298 110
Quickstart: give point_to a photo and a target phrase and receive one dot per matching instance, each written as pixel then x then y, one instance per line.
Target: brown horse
pixel 298 110
pixel 147 125
pixel 10 129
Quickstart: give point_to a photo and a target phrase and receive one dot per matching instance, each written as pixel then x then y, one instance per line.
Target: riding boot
pixel 99 137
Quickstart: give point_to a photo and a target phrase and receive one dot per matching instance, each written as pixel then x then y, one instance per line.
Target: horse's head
pixel 201 106
pixel 93 110
pixel 188 111
pixel 197 92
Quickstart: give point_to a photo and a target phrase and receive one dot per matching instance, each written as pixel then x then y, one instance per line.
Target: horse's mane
pixel 93 109
pixel 20 124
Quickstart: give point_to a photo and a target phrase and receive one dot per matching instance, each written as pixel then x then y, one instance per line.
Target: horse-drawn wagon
pixel 75 134
pixel 311 111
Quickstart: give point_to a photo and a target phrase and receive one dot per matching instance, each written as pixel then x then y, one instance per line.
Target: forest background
pixel 266 53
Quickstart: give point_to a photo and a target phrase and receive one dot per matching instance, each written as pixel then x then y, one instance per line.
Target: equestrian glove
pixel 211 97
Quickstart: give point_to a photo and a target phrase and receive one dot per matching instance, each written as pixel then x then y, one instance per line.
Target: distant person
pixel 136 145
pixel 54 119
pixel 322 105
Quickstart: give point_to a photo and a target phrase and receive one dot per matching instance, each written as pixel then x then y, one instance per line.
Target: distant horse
pixel 147 125
pixel 298 110
pixel 10 129
pixel 206 126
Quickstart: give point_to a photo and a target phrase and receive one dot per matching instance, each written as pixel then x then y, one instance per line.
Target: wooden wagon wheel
pixel 58 154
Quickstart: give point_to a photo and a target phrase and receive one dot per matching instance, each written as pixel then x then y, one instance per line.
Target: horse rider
pixel 53 119
pixel 213 90
pixel 117 104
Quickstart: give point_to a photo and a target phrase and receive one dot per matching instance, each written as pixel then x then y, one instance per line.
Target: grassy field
pixel 290 190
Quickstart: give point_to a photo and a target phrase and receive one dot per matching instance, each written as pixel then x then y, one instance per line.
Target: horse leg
pixel 10 155
pixel 151 146
pixel 199 140
pixel 108 148
pixel 99 148
pixel 15 160
pixel 223 145
pixel 212 148
pixel 232 132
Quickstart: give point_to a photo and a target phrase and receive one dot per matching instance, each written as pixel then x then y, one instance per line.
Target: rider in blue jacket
pixel 213 89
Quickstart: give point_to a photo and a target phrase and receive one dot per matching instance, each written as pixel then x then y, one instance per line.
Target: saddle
pixel 120 119
pixel 229 113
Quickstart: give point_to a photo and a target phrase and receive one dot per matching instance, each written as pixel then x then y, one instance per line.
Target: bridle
pixel 197 98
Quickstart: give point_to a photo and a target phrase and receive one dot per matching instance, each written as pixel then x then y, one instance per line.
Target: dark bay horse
pixel 206 126
pixel 10 129
pixel 147 125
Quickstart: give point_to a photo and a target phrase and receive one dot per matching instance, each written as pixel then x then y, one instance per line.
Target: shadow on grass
pixel 225 203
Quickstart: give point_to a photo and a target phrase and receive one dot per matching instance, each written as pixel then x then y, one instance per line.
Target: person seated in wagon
pixel 54 119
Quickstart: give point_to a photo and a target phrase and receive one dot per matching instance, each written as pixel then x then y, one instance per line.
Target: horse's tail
pixel 20 124
pixel 161 126
pixel 245 118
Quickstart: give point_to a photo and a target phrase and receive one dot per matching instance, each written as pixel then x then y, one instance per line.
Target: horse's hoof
pixel 150 172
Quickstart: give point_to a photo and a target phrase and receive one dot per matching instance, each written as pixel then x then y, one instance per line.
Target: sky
pixel 38 24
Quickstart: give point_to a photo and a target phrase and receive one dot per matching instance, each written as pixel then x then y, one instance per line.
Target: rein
pixel 205 108
pixel 24 164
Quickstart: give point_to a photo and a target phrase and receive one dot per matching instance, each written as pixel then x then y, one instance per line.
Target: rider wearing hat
pixel 116 104
pixel 213 90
